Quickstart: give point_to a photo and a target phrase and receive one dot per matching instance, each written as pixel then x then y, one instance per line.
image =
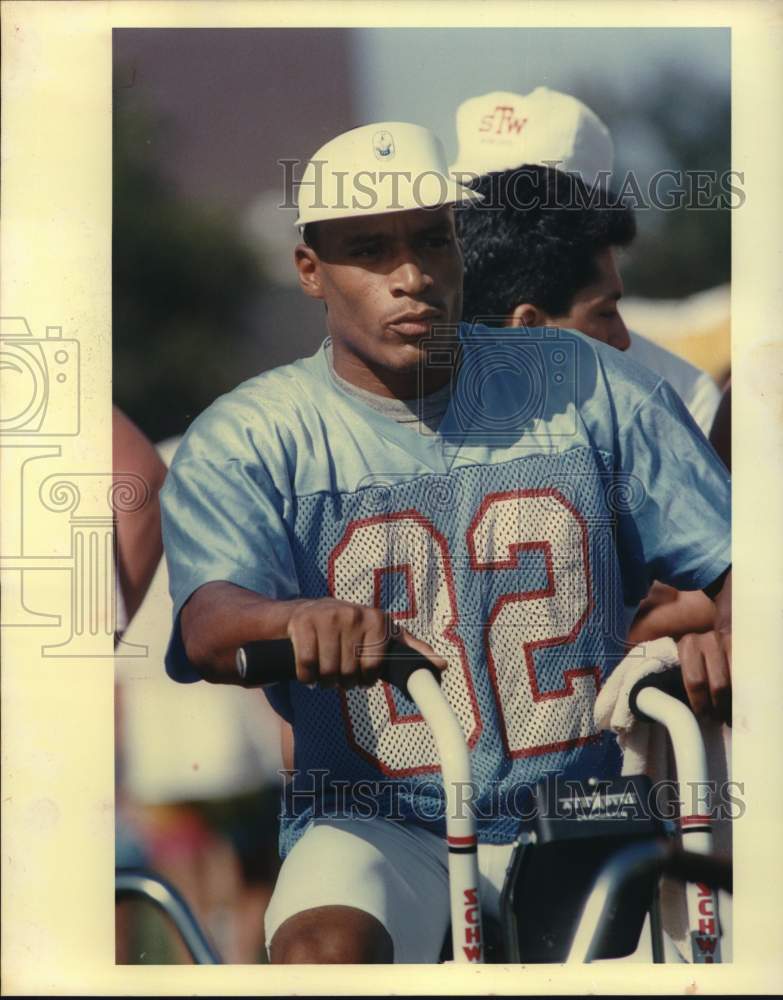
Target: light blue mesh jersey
pixel 563 479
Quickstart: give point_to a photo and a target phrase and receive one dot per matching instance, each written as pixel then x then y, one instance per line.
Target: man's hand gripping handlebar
pixel 273 661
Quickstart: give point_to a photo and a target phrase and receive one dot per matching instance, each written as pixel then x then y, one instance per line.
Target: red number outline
pixel 448 632
pixel 529 648
pixel 412 611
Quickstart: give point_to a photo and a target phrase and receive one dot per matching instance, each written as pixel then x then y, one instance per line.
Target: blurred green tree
pixel 675 121
pixel 183 285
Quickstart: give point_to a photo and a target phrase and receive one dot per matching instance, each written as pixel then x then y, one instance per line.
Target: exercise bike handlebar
pixel 263 663
pixel 661 698
pixel 136 883
pixel 272 661
pixel 633 862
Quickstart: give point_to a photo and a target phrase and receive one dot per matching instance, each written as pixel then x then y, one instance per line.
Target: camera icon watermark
pixel 39 381
pixel 506 382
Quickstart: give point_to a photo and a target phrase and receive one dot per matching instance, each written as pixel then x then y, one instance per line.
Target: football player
pixel 497 498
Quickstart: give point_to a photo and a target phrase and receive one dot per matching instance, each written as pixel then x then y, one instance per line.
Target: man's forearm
pixel 220 617
pixel 705 659
pixel 139 543
pixel 666 611
pixel 723 607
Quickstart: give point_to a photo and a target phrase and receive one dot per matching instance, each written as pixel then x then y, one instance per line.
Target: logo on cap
pixel 502 120
pixel 383 145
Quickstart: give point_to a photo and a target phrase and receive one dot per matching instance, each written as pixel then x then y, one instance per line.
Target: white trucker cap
pixel 383 167
pixel 501 131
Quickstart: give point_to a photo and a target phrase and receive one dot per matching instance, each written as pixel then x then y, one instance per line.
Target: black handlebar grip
pixel 268 662
pixel 273 661
pixel 669 681
pixel 707 869
pixel 400 661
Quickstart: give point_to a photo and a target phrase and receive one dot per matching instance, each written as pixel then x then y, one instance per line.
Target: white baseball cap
pixel 382 167
pixel 501 130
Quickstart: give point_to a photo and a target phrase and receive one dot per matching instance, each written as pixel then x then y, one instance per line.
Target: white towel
pixel 642 744
pixel 647 750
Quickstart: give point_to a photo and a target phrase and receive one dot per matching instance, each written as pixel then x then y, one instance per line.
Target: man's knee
pixel 331 935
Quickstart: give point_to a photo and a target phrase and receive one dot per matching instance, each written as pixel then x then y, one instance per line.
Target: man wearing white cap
pixel 393 478
pixel 547 257
pixel 501 131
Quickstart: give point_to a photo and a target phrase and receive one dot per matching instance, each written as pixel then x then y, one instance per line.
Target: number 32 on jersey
pixel 507 524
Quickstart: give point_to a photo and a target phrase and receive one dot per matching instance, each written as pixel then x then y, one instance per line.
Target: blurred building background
pixel 204 291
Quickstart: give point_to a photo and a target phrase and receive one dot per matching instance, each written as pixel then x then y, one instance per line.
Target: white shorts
pixel 398 872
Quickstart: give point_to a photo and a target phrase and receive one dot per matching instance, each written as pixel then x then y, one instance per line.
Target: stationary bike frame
pixel 658 697
pixel 264 663
pixel 269 662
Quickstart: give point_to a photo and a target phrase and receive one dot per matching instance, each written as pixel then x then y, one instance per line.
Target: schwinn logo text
pixel 705 939
pixel 472 946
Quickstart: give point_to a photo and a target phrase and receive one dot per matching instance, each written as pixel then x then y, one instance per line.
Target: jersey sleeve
pixel 223 510
pixel 695 387
pixel 678 526
pixel 704 402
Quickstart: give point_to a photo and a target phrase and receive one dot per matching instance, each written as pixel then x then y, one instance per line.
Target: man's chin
pixel 407 354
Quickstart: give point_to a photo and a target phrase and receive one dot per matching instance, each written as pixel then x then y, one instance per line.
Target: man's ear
pixel 308 267
pixel 526 314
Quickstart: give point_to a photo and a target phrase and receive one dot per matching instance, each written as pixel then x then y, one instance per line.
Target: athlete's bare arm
pixel 139 543
pixel 287 745
pixel 666 611
pixel 705 658
pixel 334 642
